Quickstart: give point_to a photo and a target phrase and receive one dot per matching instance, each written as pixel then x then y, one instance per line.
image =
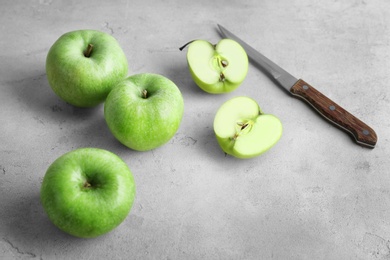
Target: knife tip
pixel 221 30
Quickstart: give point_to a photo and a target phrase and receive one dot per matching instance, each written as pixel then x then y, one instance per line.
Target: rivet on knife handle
pixel 362 133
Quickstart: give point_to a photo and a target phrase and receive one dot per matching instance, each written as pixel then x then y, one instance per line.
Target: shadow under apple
pixel 27 224
pixel 29 232
pixel 35 93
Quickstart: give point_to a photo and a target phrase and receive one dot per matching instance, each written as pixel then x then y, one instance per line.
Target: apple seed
pixel 224 63
pixel 221 77
pixel 243 126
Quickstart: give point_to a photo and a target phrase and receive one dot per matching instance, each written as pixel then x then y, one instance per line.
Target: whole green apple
pixel 243 130
pixel 144 111
pixel 219 68
pixel 87 192
pixel 82 66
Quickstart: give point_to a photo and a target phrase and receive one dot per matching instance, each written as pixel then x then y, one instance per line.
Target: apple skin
pixel 144 123
pixel 82 210
pixel 85 81
pixel 243 130
pixel 219 68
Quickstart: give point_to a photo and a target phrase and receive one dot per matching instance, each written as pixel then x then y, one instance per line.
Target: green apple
pixel 144 111
pixel 219 68
pixel 82 66
pixel 88 192
pixel 243 130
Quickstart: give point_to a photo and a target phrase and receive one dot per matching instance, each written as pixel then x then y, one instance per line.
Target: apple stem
pixel 185 45
pixel 145 93
pixel 88 52
pixel 87 184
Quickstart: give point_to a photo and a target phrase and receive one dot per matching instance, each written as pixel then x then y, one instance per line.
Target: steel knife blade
pixel 362 133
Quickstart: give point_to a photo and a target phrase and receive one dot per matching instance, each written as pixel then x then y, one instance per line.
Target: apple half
pixel 219 68
pixel 243 130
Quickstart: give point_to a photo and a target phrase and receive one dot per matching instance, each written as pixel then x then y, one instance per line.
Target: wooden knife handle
pixel 363 134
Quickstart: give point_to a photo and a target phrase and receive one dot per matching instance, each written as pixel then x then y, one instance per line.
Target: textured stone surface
pixel 315 195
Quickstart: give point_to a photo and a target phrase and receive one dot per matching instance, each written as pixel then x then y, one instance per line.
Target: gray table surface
pixel 315 195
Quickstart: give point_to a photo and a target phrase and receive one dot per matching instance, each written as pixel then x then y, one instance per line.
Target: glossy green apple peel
pixel 243 130
pixel 144 111
pixel 82 66
pixel 87 192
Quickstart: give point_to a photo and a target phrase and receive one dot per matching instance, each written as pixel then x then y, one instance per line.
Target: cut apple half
pixel 219 68
pixel 243 130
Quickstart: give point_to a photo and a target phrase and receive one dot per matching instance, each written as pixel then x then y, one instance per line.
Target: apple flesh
pixel 87 192
pixel 144 111
pixel 243 130
pixel 219 68
pixel 82 67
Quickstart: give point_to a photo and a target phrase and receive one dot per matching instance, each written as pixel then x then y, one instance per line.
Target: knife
pixel 363 134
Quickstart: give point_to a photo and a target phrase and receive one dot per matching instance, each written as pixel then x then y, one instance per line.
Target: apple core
pixel 243 127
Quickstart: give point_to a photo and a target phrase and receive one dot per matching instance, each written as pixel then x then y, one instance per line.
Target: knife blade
pixel 361 132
